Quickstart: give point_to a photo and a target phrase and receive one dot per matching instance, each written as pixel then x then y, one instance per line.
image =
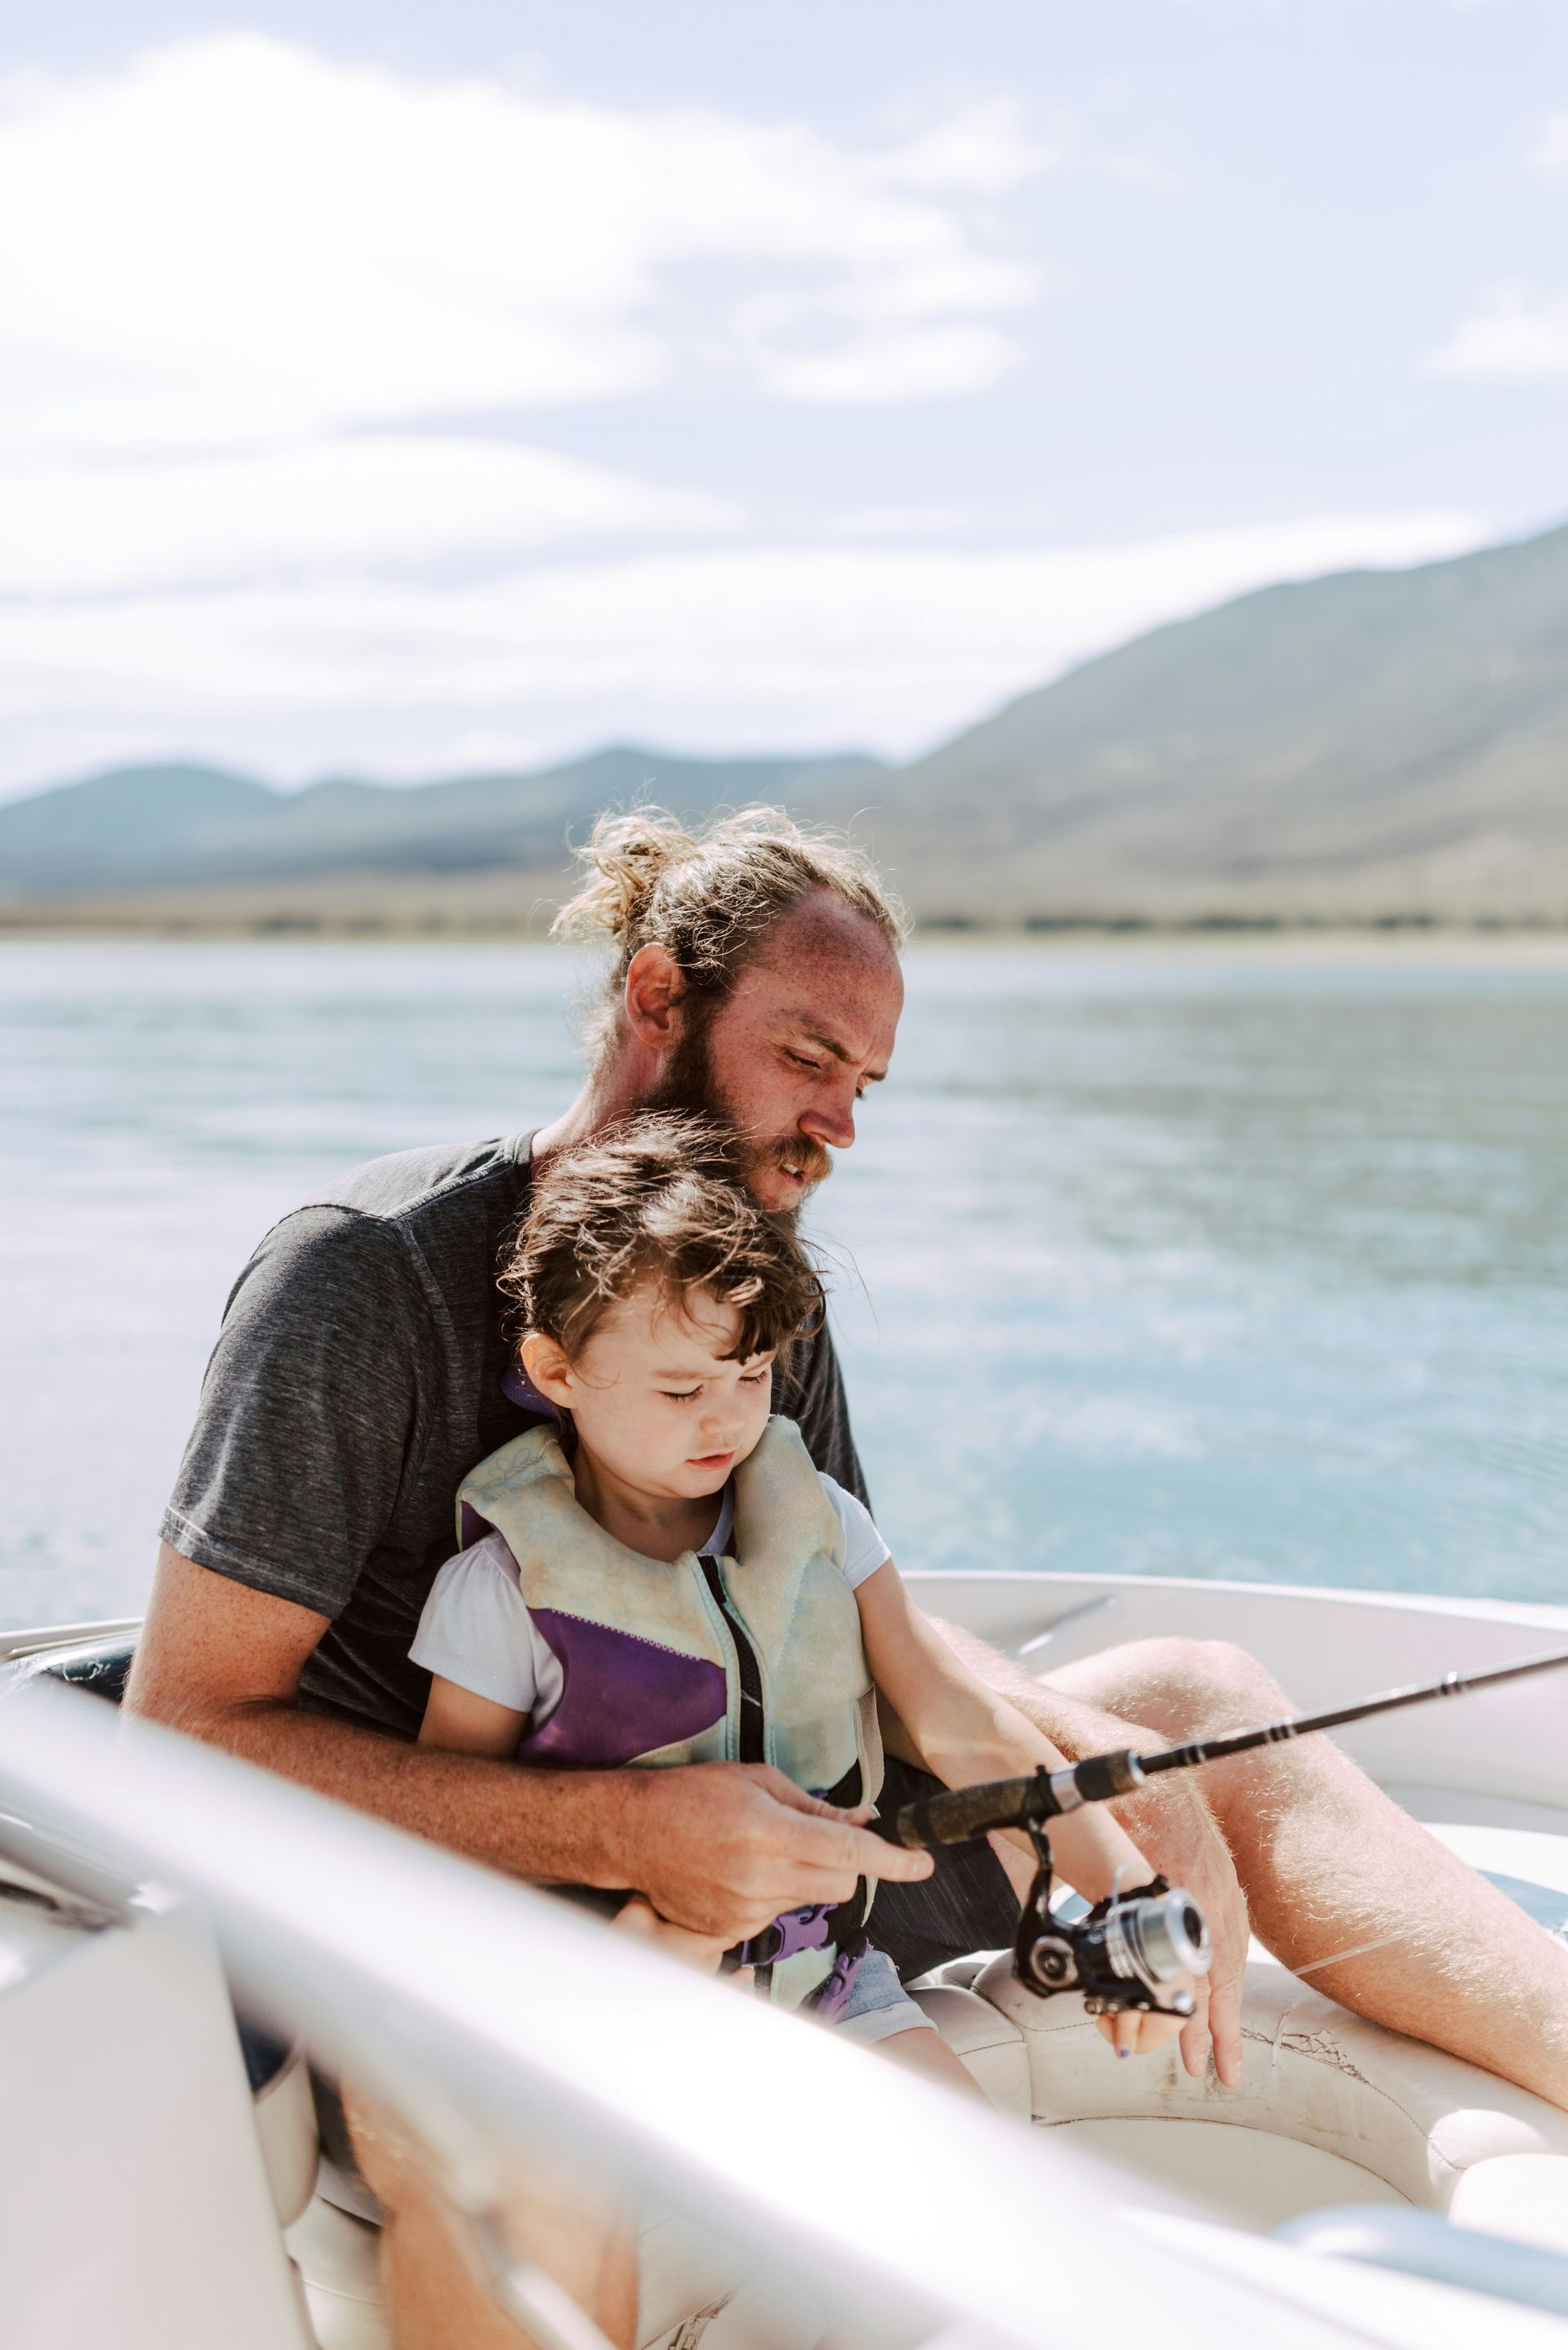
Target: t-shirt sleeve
pixel 476 1629
pixel 864 1548
pixel 309 1417
pixel 808 1388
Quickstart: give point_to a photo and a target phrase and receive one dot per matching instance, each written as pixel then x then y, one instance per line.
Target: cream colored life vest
pixel 756 1657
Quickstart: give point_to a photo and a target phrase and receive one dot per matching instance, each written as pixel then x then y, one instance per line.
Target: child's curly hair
pixel 656 1198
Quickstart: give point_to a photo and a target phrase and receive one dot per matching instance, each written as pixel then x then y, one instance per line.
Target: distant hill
pixel 1375 742
pixel 180 826
pixel 133 824
pixel 1370 746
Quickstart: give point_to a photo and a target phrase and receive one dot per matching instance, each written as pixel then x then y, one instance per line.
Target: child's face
pixel 653 1398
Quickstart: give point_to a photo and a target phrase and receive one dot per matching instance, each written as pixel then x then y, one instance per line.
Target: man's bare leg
pixel 1328 1863
pixel 556 2222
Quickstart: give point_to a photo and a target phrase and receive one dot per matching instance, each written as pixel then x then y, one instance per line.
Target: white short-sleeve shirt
pixel 477 1632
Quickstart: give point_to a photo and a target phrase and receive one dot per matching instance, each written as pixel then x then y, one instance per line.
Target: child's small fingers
pixel 1125 2037
pixel 1156 2032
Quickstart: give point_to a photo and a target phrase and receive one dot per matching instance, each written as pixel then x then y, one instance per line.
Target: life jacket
pixel 754 1657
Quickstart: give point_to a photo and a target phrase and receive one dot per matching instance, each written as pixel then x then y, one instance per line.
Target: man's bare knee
pixel 1183 1688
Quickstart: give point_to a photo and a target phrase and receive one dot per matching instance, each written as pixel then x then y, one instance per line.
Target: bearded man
pixel 364 1367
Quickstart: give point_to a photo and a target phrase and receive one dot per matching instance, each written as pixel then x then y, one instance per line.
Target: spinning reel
pixel 1132 1949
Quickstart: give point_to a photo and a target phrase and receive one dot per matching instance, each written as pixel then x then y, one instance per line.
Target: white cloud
pixel 372 503
pixel 264 311
pixel 235 240
pixel 721 647
pixel 927 522
pixel 888 365
pixel 982 148
pixel 1519 335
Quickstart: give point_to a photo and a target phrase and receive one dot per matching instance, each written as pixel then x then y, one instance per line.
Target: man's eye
pixel 801 1062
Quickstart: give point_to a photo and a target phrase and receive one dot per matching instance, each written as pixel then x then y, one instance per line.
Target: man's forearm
pixel 553 1827
pixel 1077 1728
pixel 719 1849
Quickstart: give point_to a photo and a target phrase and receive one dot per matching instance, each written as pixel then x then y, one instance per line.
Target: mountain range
pixel 174 827
pixel 1376 745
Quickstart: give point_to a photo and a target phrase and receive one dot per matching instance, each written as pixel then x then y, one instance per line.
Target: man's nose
pixel 831 1118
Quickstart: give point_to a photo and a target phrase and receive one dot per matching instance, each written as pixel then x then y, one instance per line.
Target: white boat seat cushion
pixel 987 2041
pixel 1418 2120
pixel 285 2113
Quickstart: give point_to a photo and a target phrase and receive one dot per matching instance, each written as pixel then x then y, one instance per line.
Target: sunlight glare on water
pixel 1198 1261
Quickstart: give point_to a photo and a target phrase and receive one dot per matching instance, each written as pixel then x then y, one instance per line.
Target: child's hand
pixel 1136 2033
pixel 639 1917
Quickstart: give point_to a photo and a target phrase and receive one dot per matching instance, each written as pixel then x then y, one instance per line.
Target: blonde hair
pixel 709 896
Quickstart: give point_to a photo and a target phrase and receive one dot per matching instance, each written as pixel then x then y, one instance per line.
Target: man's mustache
pixel 808 1160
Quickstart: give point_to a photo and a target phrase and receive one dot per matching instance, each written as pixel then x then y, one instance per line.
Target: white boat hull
pixel 1331 2109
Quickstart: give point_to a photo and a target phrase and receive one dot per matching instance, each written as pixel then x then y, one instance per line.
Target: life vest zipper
pixel 752 1738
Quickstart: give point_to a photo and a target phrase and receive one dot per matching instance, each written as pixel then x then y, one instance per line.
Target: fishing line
pixel 1141 1950
pixel 1360 1951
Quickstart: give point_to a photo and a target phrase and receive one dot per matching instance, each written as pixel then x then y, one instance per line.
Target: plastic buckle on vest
pixel 822 1925
pixel 798 1929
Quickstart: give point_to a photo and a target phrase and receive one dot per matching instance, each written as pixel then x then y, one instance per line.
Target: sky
pixel 404 391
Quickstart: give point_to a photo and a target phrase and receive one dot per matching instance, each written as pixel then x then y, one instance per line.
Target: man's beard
pixel 691 1089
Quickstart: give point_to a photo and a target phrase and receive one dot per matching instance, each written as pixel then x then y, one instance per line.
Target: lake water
pixel 1210 1262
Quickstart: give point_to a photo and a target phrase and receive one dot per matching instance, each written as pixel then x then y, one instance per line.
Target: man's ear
pixel 548 1368
pixel 654 992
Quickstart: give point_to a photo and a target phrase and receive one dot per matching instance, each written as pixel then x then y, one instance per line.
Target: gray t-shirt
pixel 356 1381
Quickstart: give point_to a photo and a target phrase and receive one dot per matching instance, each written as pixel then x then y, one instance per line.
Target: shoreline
pixel 1477 946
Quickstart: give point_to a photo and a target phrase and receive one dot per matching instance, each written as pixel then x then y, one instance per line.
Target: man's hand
pixel 1177 1833
pixel 723 1849
pixel 1170 1823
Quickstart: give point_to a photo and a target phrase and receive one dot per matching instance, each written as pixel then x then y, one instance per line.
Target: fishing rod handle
pixel 959 1815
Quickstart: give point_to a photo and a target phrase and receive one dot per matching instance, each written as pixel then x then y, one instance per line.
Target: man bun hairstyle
pixel 656 1198
pixel 707 897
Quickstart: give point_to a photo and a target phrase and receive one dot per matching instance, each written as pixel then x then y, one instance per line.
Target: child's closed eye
pixel 747 1380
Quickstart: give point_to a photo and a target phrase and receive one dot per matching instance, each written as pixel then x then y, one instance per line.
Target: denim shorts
pixel 878 2005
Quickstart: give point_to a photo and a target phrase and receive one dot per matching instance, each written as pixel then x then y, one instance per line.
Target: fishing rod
pixel 1133 1946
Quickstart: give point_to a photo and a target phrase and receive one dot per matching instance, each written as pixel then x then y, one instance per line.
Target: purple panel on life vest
pixel 620 1697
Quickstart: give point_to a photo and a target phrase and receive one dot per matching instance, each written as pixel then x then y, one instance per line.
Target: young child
pixel 668 1579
